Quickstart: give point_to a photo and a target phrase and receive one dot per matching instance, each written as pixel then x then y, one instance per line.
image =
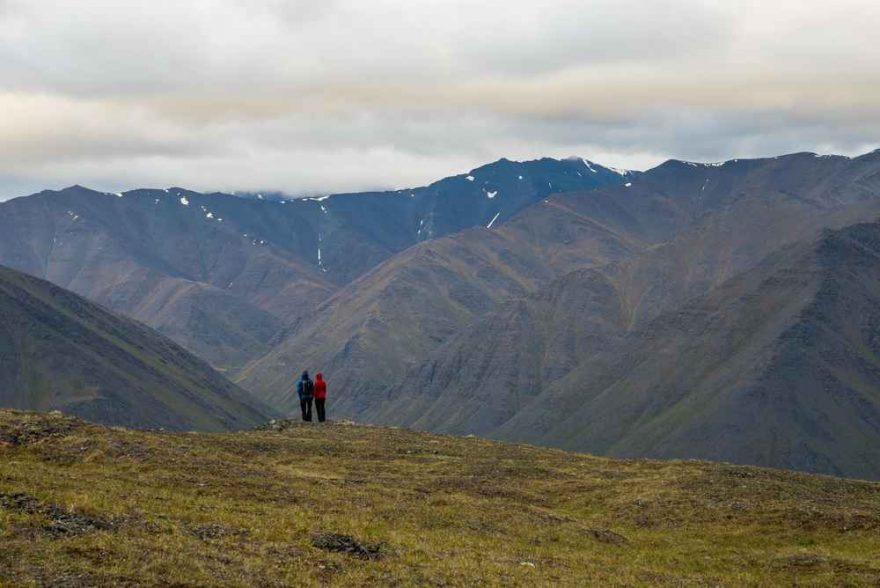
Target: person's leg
pixel 302 406
pixel 319 406
pixel 309 410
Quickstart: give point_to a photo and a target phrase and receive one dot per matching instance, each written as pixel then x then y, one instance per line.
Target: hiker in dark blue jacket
pixel 305 388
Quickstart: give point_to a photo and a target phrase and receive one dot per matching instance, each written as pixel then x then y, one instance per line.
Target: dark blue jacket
pixel 305 388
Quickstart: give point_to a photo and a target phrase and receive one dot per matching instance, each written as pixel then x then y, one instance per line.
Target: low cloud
pixel 309 96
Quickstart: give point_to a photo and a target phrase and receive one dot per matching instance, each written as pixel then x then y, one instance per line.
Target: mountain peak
pixel 683 162
pixel 76 188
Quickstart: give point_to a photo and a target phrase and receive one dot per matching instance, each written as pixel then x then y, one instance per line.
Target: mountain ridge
pixel 209 268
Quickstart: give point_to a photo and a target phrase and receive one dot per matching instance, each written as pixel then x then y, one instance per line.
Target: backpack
pixel 308 389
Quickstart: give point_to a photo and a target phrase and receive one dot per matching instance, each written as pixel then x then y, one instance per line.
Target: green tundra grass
pixel 337 504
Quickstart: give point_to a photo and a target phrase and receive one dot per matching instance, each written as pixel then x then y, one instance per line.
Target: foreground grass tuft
pixel 337 504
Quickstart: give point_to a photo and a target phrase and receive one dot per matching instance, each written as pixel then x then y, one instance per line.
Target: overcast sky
pixel 310 96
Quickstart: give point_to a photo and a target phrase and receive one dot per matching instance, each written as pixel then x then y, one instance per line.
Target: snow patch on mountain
pixel 698 164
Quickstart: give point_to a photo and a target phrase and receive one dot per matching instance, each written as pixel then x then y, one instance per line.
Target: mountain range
pixel 755 208
pixel 686 311
pixel 225 276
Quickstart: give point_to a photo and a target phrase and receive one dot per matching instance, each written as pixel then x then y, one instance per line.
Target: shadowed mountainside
pixel 779 366
pixel 59 351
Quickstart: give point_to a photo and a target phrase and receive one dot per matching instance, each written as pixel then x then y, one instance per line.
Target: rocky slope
pixel 59 351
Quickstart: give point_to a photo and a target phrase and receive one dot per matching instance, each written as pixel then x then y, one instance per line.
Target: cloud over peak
pixel 341 95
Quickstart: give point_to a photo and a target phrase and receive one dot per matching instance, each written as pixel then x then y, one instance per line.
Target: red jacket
pixel 320 387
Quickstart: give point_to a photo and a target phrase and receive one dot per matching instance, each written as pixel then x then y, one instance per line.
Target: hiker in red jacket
pixel 320 396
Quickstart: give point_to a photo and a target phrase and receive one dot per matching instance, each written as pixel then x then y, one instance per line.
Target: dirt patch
pixel 62 522
pixel 347 544
pixel 95 556
pixel 71 580
pixel 279 425
pixel 548 516
pixel 29 432
pixel 283 551
pixel 485 487
pixel 328 569
pixel 216 531
pixel 20 502
pixel 607 536
pixel 810 562
pixel 842 520
pixel 803 561
pixel 65 523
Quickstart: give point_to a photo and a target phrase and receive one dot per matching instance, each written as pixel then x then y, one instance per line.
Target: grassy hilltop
pixel 82 504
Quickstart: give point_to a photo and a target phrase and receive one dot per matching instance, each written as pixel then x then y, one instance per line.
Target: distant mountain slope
pixel 379 326
pixel 59 351
pixel 225 276
pixel 372 226
pixel 489 372
pixel 780 366
pixel 374 329
pixel 417 324
pixel 173 260
pixel 485 374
